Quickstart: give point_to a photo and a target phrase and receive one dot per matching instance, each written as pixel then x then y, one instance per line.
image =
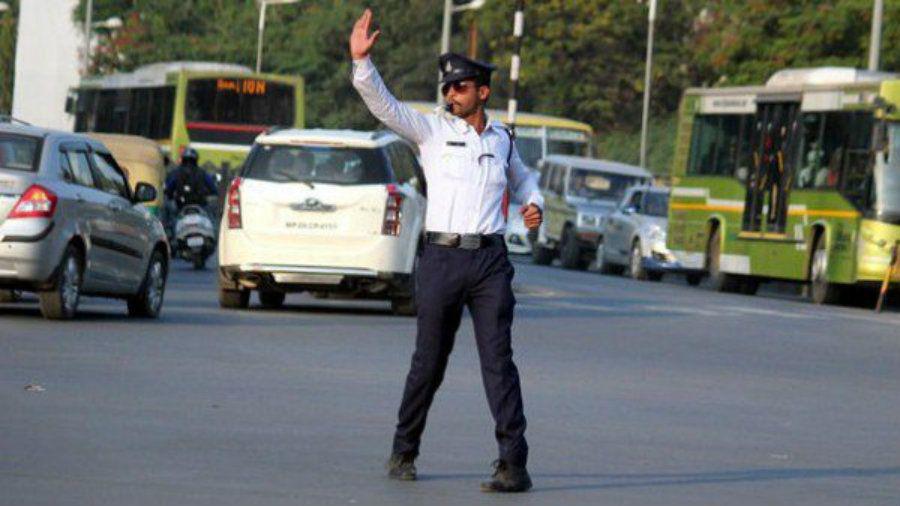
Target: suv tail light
pixel 36 202
pixel 392 212
pixel 234 204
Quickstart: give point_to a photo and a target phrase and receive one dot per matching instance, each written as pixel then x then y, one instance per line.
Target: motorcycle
pixel 195 236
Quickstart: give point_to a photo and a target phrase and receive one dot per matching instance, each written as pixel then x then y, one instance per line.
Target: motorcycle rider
pixel 188 184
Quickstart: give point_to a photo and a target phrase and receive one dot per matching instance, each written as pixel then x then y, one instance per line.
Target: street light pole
pixel 645 116
pixel 875 39
pixel 262 27
pixel 259 35
pixel 88 13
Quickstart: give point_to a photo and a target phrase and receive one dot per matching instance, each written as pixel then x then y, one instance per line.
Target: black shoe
pixel 401 467
pixel 507 478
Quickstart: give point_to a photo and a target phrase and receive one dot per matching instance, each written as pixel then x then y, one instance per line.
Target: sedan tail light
pixel 392 211
pixel 234 204
pixel 36 202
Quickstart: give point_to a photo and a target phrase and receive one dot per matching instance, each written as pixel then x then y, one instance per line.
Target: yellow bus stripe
pixel 828 213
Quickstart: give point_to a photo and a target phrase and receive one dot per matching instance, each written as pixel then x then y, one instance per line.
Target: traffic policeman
pixel 469 161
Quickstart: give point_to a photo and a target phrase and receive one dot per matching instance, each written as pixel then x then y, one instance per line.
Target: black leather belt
pixel 464 241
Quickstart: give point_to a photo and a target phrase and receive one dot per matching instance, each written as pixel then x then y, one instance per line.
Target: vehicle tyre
pixel 719 281
pixel 636 263
pixel 61 302
pixel 749 286
pixel 271 299
pixel 821 291
pixel 570 256
pixel 541 255
pixel 234 299
pixel 199 262
pixel 655 275
pixel 9 296
pixel 149 300
pixel 694 278
pixel 602 265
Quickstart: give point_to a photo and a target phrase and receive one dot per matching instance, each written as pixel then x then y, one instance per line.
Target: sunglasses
pixel 458 86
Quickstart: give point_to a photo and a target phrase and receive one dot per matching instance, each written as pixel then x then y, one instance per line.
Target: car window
pixel 656 204
pixel 80 167
pixel 403 162
pixel 635 201
pixel 18 152
pixel 108 176
pixel 320 164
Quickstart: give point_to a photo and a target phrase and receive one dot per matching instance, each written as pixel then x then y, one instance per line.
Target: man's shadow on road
pixel 638 480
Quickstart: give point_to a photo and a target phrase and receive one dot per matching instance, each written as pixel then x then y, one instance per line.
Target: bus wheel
pixel 718 280
pixel 821 290
pixel 540 254
pixel 749 286
pixel 694 278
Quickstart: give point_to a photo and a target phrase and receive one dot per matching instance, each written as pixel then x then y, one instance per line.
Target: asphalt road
pixel 636 394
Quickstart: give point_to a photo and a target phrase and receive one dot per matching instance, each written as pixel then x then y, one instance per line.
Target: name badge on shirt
pixel 456 144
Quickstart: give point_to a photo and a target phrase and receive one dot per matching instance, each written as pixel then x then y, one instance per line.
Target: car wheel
pixel 719 281
pixel 636 263
pixel 61 302
pixel 570 256
pixel 541 255
pixel 693 279
pixel 234 299
pixel 271 299
pixel 654 275
pixel 821 290
pixel 199 262
pixel 149 300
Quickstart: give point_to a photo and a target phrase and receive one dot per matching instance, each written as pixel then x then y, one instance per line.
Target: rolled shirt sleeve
pixel 399 117
pixel 523 182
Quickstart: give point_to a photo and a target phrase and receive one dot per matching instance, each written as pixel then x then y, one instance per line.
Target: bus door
pixel 775 135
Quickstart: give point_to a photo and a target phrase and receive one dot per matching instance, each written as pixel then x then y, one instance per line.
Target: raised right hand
pixel 361 41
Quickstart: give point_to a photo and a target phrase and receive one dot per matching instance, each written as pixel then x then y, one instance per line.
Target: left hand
pixel 532 215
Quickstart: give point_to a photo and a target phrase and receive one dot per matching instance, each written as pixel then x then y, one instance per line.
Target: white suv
pixel 324 211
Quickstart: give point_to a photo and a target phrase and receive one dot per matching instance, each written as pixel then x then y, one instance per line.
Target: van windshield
pixel 595 185
pixel 18 152
pixel 320 164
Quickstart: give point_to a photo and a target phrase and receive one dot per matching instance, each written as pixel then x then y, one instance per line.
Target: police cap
pixel 456 67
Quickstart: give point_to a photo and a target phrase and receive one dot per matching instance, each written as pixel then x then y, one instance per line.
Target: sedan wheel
pixel 636 265
pixel 148 302
pixel 62 302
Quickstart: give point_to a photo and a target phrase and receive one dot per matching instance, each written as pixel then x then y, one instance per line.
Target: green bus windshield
pixel 240 101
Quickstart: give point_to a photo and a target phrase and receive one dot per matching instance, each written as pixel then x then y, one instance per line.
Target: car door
pixel 87 211
pixel 124 233
pixel 621 226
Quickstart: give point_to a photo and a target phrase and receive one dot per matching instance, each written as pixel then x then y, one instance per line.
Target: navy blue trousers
pixel 449 279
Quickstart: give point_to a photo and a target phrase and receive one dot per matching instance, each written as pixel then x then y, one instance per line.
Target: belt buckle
pixel 470 241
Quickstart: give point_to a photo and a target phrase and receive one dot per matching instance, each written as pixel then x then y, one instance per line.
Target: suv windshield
pixel 591 184
pixel 656 204
pixel 319 164
pixel 18 152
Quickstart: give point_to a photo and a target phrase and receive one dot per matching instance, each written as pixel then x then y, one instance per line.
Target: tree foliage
pixel 7 54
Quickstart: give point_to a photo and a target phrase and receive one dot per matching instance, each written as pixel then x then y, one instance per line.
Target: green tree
pixel 8 21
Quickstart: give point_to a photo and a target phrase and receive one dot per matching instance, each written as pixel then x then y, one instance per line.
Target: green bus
pixel 217 108
pixel 798 179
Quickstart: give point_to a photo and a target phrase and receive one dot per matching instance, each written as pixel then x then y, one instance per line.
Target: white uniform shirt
pixel 467 173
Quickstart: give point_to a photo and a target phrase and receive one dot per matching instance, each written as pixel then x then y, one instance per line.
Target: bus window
pixel 530 150
pixel 567 148
pixel 720 146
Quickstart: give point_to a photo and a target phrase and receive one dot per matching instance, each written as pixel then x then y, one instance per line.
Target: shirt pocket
pixel 495 169
pixel 455 163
